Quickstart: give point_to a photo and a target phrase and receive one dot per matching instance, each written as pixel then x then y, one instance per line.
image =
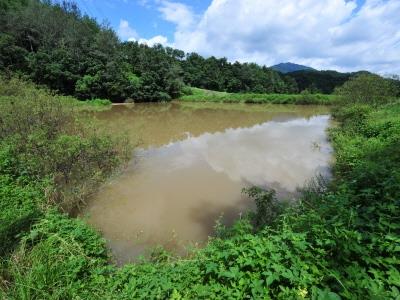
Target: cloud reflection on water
pixel 285 152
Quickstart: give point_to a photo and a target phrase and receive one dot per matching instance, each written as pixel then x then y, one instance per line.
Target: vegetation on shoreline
pixel 201 95
pixel 341 241
pixel 49 157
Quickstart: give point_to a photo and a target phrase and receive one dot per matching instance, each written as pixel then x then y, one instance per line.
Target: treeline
pixel 321 81
pixel 54 44
pixel 220 75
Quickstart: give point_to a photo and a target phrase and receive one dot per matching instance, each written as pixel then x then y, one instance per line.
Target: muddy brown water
pixel 193 161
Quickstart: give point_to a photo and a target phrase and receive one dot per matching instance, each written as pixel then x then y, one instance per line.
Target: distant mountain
pixel 290 67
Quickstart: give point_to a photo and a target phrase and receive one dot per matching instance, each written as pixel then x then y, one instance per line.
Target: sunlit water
pixel 194 162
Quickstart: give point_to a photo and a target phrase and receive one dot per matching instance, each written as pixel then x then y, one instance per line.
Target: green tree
pixel 367 89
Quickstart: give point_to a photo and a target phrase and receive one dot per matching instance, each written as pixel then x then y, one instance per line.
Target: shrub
pixel 367 89
pixel 268 208
pixel 46 138
pixel 186 90
pixel 19 210
pixel 99 102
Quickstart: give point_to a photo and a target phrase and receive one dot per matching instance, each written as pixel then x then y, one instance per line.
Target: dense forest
pixel 54 44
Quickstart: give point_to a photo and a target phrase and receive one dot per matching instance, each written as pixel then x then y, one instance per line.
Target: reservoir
pixel 191 164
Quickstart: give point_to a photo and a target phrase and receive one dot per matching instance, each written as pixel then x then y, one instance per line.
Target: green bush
pixel 19 210
pixel 367 89
pixel 46 138
pixel 268 208
pixel 186 90
pixel 99 102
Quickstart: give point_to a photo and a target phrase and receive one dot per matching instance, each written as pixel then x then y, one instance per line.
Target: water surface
pixel 192 164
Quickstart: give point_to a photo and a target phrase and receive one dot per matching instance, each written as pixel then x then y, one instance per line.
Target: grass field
pixel 201 95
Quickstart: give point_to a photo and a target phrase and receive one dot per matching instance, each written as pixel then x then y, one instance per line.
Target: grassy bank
pixel 50 156
pixel 341 241
pixel 200 95
pixel 14 88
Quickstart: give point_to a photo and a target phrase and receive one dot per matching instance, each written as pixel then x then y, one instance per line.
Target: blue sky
pixel 141 14
pixel 345 35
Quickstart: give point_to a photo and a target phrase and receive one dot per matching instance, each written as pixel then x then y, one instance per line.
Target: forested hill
pixel 290 67
pixel 320 81
pixel 55 45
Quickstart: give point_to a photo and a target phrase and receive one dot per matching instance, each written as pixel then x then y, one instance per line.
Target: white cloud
pixel 326 34
pixel 177 13
pixel 125 31
pixel 158 39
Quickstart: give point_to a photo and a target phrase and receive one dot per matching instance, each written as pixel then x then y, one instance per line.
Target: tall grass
pixel 200 95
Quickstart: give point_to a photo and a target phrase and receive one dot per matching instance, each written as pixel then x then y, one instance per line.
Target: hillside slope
pixel 290 67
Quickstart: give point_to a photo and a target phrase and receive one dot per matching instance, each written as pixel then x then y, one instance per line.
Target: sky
pixel 344 35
